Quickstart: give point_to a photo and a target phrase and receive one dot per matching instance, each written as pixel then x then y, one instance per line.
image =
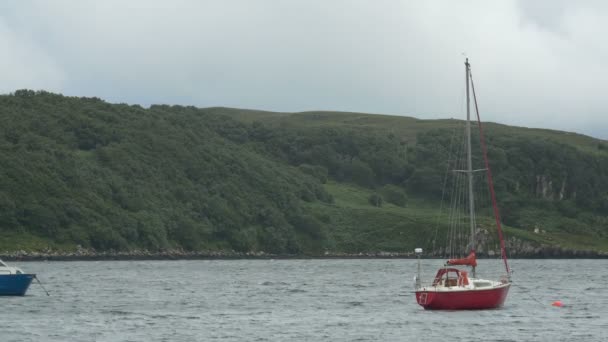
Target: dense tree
pixel 114 176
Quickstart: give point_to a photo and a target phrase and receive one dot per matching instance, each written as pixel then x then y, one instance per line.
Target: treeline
pixel 543 173
pixel 80 171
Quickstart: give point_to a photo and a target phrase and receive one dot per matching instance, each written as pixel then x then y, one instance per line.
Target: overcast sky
pixel 540 63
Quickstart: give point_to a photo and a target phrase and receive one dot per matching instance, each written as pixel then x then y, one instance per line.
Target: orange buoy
pixel 558 303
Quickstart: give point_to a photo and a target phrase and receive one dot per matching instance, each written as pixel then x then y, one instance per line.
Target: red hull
pixel 463 300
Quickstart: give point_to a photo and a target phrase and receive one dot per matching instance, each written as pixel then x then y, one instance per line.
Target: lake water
pixel 294 300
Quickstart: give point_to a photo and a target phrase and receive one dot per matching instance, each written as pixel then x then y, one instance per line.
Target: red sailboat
pixel 452 287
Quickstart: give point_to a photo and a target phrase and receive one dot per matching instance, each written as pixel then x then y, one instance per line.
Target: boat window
pixel 451 282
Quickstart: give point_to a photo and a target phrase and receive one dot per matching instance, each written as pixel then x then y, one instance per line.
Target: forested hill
pixel 83 172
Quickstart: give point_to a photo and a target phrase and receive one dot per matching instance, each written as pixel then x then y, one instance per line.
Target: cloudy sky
pixel 536 63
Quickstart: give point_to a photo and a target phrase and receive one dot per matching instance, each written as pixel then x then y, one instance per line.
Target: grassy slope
pixel 356 225
pixel 406 127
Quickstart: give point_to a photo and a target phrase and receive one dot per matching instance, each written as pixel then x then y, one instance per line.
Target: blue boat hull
pixel 15 284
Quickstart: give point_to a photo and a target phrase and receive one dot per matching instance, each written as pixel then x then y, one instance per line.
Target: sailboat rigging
pixel 452 288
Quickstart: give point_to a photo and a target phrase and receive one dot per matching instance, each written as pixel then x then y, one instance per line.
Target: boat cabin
pixel 5 269
pixel 449 277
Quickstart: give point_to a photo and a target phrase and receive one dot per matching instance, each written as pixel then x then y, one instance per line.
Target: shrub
pixel 375 200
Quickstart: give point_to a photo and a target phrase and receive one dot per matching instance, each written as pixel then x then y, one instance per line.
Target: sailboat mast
pixel 470 162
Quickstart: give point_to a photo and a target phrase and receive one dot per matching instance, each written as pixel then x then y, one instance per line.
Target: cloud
pixel 24 65
pixel 540 63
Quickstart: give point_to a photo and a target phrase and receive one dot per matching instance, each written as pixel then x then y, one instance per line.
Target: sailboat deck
pixel 474 285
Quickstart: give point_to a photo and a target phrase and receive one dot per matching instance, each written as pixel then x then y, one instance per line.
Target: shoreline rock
pixel 543 252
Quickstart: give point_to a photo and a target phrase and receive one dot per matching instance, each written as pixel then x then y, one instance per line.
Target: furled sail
pixel 470 260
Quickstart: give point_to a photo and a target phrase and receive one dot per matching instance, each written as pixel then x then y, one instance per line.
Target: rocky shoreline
pixel 548 252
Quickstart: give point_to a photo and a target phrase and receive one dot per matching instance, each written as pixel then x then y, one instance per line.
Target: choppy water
pixel 294 300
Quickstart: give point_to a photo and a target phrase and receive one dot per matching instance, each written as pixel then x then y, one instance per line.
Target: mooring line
pixel 40 283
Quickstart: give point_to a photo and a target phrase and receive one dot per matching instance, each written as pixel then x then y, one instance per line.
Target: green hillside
pixel 83 172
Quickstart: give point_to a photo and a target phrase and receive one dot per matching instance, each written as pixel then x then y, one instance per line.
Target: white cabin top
pixel 5 269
